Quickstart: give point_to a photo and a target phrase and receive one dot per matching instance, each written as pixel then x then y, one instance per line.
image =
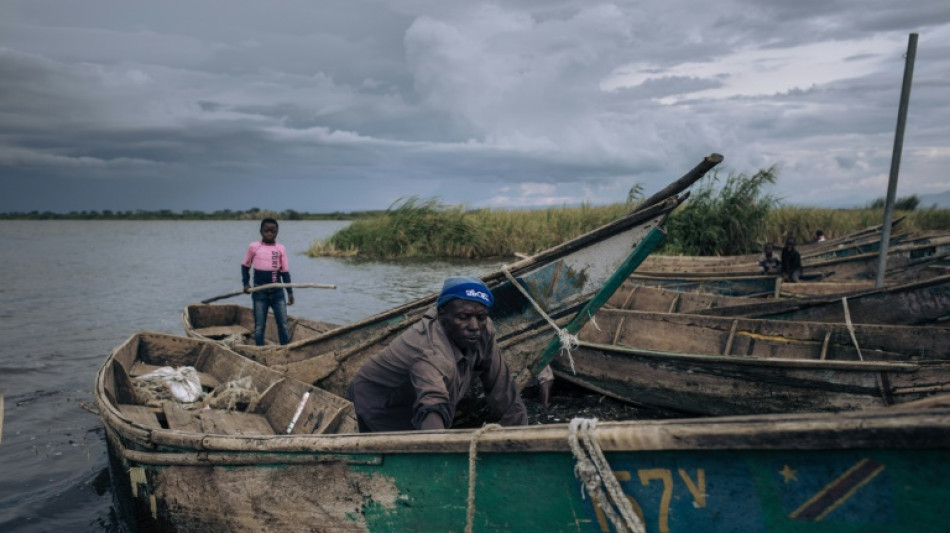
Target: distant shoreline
pixel 167 214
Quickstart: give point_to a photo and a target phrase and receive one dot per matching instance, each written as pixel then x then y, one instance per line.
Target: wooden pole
pixel 896 159
pixel 271 286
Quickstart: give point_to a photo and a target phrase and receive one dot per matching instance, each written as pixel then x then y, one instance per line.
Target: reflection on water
pixel 73 290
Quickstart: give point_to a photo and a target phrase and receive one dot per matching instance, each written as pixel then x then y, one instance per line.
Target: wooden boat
pixel 862 241
pixel 660 300
pixel 174 471
pixel 723 366
pixel 564 281
pixel 917 303
pixel 899 260
pixel 846 266
pixel 823 288
pixel 233 324
pixel 757 285
pixel 922 302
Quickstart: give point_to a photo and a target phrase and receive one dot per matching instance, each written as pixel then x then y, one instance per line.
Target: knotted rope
pixel 568 341
pixel 472 457
pixel 594 472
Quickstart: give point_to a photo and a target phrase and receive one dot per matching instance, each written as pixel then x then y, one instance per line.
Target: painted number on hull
pixel 696 487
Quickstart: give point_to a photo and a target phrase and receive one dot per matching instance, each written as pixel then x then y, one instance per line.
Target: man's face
pixel 464 321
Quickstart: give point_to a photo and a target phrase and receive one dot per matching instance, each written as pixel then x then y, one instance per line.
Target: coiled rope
pixel 594 472
pixel 568 341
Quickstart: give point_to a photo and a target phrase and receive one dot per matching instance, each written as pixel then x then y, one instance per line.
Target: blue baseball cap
pixel 465 288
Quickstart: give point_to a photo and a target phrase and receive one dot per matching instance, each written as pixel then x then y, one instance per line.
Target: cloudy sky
pixel 351 104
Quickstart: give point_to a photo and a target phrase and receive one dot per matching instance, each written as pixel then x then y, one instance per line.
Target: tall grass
pixel 424 228
pixel 728 222
pixel 735 220
pixel 802 222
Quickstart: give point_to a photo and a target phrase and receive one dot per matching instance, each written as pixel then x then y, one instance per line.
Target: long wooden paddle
pixel 271 286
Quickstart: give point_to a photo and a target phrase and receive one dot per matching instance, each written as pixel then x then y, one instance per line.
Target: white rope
pixel 472 457
pixel 880 377
pixel 593 321
pixel 568 341
pixel 847 322
pixel 594 472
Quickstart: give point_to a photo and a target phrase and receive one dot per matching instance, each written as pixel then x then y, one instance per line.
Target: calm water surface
pixel 73 290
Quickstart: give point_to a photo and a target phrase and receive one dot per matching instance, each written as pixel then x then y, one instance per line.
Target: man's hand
pixel 247 289
pixel 433 420
pixel 290 299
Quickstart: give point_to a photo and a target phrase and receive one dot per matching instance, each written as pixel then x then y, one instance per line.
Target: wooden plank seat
pixel 220 332
pixel 222 422
pixel 140 414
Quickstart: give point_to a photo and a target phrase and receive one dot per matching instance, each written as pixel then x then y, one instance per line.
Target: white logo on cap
pixel 476 294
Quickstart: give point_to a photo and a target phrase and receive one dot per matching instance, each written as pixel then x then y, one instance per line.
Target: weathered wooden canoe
pixel 916 246
pixel 563 281
pixel 722 366
pixel 745 264
pixel 660 300
pixel 899 259
pixel 880 469
pixel 233 324
pixel 922 302
pixel 823 288
pixel 862 241
pixel 918 303
pixel 757 285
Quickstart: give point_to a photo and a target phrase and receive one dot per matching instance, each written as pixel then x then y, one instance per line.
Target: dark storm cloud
pixel 351 105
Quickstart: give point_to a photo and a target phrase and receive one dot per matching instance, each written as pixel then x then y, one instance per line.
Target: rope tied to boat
pixel 880 375
pixel 472 458
pixel 594 472
pixel 569 341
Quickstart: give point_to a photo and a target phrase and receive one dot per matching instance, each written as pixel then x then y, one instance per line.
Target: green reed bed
pixel 802 222
pixel 736 218
pixel 423 228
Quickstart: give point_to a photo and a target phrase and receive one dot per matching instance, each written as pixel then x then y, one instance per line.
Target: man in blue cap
pixel 418 380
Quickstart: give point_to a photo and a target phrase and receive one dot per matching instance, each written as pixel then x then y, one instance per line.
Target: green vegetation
pixel 906 203
pixel 728 223
pixel 253 213
pixel 424 228
pixel 736 218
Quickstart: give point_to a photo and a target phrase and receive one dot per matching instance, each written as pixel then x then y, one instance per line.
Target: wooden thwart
pixel 220 332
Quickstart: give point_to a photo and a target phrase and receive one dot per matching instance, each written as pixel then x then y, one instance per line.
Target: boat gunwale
pixel 908 426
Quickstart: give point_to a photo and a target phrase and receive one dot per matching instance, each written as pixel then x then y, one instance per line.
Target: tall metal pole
pixel 896 159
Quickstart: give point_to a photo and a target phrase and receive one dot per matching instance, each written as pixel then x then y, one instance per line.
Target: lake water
pixel 73 290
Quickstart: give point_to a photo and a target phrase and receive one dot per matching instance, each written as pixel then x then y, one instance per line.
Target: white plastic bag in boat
pixel 183 382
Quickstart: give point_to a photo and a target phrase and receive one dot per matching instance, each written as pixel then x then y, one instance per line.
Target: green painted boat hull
pixel 677 491
pixel 873 470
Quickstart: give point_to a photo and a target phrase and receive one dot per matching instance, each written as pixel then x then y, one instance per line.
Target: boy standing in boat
pixel 268 258
pixel 417 381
